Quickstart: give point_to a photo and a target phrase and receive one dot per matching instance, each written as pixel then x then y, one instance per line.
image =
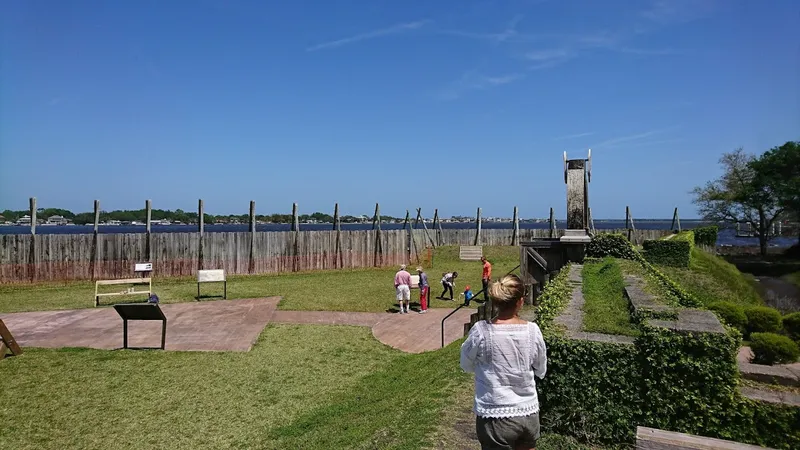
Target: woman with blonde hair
pixel 506 354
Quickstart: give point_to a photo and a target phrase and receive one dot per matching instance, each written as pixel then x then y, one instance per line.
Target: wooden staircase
pixel 470 253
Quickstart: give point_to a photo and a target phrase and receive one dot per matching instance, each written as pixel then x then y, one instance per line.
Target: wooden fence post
pixel 629 223
pixel 515 233
pixel 200 230
pixel 33 215
pixel 337 227
pixel 377 256
pixel 675 221
pixel 552 224
pixel 295 238
pixel 148 210
pixel 251 263
pixel 478 229
pixel 407 226
pixel 437 226
pixel 95 240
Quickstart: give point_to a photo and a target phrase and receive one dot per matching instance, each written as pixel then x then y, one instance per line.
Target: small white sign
pixel 143 267
pixel 205 276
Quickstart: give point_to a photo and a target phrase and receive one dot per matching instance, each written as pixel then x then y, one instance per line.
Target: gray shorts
pixel 507 433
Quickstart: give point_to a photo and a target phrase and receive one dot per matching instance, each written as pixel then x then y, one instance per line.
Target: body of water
pixel 726 236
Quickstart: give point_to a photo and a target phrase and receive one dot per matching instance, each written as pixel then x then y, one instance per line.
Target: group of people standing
pixel 402 285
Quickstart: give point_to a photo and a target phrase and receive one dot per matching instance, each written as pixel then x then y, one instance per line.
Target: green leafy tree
pixel 779 168
pixel 741 194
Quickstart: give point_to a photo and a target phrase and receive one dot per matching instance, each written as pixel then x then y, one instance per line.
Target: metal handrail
pixel 464 304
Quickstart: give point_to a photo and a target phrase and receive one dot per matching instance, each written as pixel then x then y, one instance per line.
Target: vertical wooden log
pixel 148 237
pixel 440 231
pixel 95 241
pixel 437 226
pixel 377 258
pixel 33 215
pixel 515 233
pixel 295 237
pixel 478 229
pixel 295 219
pixel 337 227
pixel 405 222
pixel 552 224
pixel 251 263
pixel 200 230
pixel 675 221
pixel 407 226
pixel 629 223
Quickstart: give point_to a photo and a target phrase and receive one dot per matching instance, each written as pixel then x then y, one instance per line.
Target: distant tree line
pixel 179 215
pixel 757 190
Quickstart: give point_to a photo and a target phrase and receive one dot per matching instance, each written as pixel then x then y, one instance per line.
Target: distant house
pixel 56 220
pixel 24 220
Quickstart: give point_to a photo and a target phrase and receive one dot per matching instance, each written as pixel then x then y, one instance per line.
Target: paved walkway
pixel 224 325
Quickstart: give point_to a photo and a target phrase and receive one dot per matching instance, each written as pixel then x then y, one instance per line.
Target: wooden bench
pixel 131 290
pixel 470 253
pixel 7 342
pixel 654 439
pixel 212 276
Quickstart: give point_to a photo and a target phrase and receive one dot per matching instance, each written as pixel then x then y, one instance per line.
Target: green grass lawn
pixel 370 290
pixel 306 386
pixel 651 285
pixel 606 310
pixel 710 278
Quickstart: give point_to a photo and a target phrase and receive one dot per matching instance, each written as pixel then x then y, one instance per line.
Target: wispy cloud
pixel 472 80
pixel 572 136
pixel 638 139
pixel 677 11
pixel 394 29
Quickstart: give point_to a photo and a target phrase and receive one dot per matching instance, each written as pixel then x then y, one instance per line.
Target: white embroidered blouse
pixel 505 358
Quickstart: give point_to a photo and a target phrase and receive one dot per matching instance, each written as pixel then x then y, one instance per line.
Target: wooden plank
pixel 654 439
pixel 9 341
pixel 123 281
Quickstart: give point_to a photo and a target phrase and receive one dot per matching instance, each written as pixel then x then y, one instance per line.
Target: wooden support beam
pixel 95 240
pixel 200 229
pixel 405 222
pixel 377 259
pixel 295 218
pixel 200 217
pixel 252 219
pixel 552 224
pixel 425 227
pixel 376 218
pixel 9 341
pixel 478 228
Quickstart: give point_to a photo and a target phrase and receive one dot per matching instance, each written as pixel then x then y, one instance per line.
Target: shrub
pixel 676 252
pixel 610 244
pixel 706 235
pixel 771 348
pixel 791 324
pixel 554 298
pixel 731 313
pixel 762 319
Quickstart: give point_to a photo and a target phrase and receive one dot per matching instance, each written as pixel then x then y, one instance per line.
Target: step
pixel 470 252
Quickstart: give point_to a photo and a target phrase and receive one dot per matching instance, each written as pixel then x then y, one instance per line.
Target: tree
pixel 780 169
pixel 741 194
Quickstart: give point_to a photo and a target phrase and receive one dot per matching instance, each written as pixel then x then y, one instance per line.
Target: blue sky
pixel 432 104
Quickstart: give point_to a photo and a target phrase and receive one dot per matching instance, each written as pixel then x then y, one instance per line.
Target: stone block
pixel 769 374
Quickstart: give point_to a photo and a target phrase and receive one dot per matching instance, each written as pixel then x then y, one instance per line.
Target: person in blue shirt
pixel 467 295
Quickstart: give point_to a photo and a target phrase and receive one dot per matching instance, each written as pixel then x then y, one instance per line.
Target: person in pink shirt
pixel 402 286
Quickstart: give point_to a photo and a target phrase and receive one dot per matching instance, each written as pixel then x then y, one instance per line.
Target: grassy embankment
pixel 710 278
pixel 368 290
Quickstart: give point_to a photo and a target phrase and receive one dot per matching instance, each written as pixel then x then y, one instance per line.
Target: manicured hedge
pixel 730 313
pixel 791 324
pixel 771 348
pixel 762 319
pixel 676 252
pixel 706 235
pixel 679 381
pixel 615 245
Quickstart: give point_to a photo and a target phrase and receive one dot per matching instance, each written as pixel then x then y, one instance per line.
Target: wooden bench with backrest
pixel 131 290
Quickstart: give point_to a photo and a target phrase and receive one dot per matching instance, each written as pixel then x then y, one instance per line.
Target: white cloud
pixel 394 29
